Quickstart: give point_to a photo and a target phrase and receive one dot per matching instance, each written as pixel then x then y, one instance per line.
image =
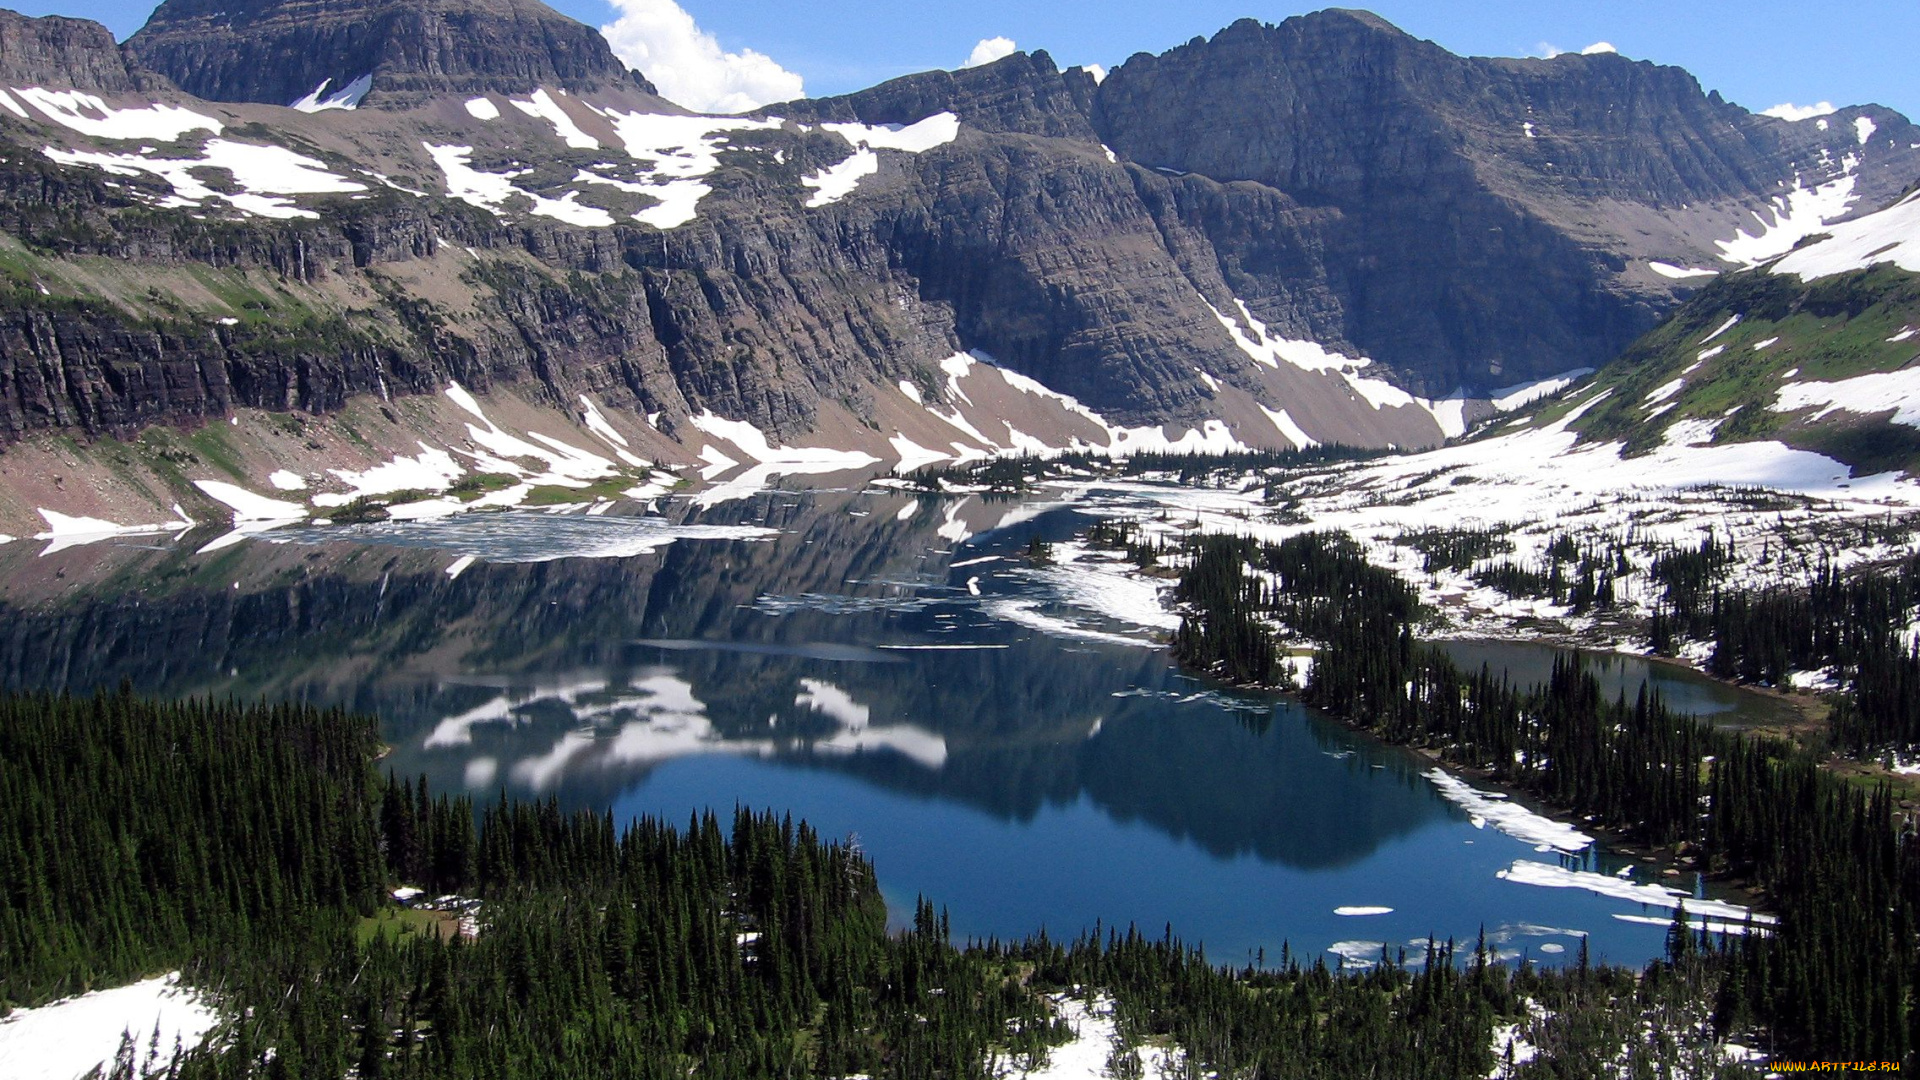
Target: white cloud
pixel 1790 111
pixel 1546 50
pixel 660 39
pixel 1098 71
pixel 989 50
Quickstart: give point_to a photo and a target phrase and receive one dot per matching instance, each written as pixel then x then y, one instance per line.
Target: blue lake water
pixel 1022 761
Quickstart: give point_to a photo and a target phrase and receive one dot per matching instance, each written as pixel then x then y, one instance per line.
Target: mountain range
pixel 371 248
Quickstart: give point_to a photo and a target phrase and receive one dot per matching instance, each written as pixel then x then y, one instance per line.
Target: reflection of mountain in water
pixel 578 677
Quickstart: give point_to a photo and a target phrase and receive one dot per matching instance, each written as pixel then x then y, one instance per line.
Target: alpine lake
pixel 890 668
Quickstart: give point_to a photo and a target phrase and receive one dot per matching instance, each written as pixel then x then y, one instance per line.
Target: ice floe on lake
pixel 1546 875
pixel 526 537
pixel 1488 808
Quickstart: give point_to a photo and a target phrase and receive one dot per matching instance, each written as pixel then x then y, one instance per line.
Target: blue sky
pixel 1758 52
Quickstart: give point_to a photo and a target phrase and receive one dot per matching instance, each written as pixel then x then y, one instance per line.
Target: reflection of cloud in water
pixel 525 537
pixel 824 697
pixel 855 735
pixel 658 718
pixel 457 730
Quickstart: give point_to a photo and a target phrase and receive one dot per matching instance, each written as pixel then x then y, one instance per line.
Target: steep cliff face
pixel 280 51
pixel 55 51
pixel 1492 220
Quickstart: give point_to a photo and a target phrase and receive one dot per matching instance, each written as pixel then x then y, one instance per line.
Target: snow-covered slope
pixel 65 1039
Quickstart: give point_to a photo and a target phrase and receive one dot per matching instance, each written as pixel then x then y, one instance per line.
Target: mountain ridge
pixel 280 51
pixel 819 269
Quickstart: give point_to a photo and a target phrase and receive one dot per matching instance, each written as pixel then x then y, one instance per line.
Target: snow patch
pixel 247 506
pixel 1865 394
pixel 263 173
pixel 753 442
pixel 65 531
pixel 1680 273
pixel 915 138
pixel 1798 214
pixel 1890 235
pixel 347 97
pixel 836 182
pixel 483 109
pixel 1664 391
pixel 542 106
pixel 68 1038
pixel 1509 398
pixel 1289 430
pixel 597 423
pixel 1731 322
pixel 1095 1045
pixel 1107 586
pixel 913 455
pixel 1265 348
pixel 490 191
pixel 430 470
pixel 93 117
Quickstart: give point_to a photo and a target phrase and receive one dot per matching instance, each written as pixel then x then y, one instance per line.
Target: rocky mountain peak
pixel 61 52
pixel 1023 92
pixel 281 51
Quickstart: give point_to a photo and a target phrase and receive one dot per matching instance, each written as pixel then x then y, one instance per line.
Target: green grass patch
pixel 1831 329
pixel 395 923
pixel 473 485
pixel 210 443
pixel 609 488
